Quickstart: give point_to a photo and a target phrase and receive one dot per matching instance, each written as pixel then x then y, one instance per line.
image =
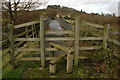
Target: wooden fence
pixel 9 54
pixel 31 34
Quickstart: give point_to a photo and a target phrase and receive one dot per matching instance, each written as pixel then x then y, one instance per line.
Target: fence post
pixel 42 49
pixel 12 51
pixel 52 68
pixel 105 36
pixel 77 32
pixel 69 62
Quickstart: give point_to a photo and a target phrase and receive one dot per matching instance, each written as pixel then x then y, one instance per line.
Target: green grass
pixel 14 73
pixel 39 73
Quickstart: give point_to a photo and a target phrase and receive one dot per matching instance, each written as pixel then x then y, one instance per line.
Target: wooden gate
pixel 72 53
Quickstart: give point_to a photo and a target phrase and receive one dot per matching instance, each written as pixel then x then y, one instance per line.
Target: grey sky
pixel 95 6
pixel 90 6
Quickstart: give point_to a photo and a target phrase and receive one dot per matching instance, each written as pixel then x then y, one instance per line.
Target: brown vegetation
pixel 26 16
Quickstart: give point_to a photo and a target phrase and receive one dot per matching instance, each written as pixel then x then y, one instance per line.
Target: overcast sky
pixel 89 6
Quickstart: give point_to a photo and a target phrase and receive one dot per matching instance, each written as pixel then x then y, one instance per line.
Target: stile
pixel 53 47
pixel 12 50
pixel 69 54
pixel 42 49
pixel 77 31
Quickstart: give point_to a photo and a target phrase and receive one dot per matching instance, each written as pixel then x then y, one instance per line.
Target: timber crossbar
pixel 94 25
pixel 26 24
pixel 60 32
pixel 59 39
pixel 54 49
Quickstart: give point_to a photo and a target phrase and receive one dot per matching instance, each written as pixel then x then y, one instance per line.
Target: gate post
pixel 77 32
pixel 105 36
pixel 12 49
pixel 42 49
pixel 69 62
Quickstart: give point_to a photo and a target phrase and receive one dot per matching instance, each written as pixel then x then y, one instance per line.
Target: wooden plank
pixel 46 39
pixel 91 38
pixel 27 49
pixel 42 46
pixel 58 58
pixel 18 44
pixel 105 36
pixel 90 48
pixel 33 58
pixel 46 58
pixel 77 34
pixel 58 39
pixel 60 32
pixel 26 24
pixel 114 41
pixel 27 39
pixel 54 49
pixel 93 25
pixel 12 50
pixel 65 49
pixel 35 49
pixel 114 33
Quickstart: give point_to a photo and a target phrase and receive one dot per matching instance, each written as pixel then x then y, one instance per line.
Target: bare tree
pixel 14 6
